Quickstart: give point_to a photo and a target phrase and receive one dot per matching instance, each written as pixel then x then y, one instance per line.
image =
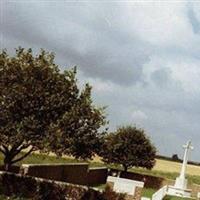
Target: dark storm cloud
pixel 85 36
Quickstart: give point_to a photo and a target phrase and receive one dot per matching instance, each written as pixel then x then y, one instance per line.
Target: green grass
pixel 40 158
pixel 175 198
pixel 148 192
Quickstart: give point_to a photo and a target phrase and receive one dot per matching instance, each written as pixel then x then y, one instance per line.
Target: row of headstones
pixel 133 189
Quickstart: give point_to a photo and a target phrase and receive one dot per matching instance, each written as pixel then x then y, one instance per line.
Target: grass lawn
pixel 176 198
pixel 148 192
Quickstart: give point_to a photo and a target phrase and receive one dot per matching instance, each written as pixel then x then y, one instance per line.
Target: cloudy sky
pixel 142 59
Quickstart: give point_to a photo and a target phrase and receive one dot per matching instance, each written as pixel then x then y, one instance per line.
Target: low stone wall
pixel 149 181
pixel 13 168
pixel 71 172
pixel 43 189
pixel 37 188
pixel 97 175
pixel 76 173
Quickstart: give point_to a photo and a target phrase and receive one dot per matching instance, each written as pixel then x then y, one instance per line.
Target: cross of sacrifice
pixel 187 147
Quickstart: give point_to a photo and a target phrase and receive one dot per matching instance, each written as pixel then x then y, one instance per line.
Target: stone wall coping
pixel 136 183
pixel 53 164
pixel 185 190
pixel 93 168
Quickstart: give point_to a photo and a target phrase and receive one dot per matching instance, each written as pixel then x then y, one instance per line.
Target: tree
pixel 42 108
pixel 129 147
pixel 175 157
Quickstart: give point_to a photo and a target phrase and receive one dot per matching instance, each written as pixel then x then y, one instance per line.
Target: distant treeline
pixel 176 159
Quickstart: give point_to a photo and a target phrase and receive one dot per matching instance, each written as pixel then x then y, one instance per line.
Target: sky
pixel 142 59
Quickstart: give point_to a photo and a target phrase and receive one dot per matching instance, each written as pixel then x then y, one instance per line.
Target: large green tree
pixel 42 108
pixel 129 146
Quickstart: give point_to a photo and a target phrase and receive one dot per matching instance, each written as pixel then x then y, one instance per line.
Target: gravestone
pixel 198 195
pixel 131 188
pixel 145 198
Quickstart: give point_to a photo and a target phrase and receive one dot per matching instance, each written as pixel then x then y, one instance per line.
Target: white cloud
pixel 162 24
pixel 139 116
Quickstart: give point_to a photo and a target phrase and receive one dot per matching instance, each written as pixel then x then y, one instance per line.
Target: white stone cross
pixel 187 147
pixel 180 186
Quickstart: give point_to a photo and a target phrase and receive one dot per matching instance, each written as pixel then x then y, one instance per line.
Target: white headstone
pixel 145 198
pixel 198 195
pixel 122 185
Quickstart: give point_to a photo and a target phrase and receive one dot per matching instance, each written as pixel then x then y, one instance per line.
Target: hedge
pixel 43 189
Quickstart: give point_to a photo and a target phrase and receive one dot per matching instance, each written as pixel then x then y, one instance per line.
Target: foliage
pixel 109 194
pixel 129 147
pixel 3 197
pixel 48 190
pixel 42 108
pixel 175 157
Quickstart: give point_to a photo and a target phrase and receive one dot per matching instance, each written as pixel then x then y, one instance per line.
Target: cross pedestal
pixel 180 187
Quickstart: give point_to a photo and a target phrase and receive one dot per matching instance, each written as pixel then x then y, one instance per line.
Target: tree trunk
pixel 7 163
pixel 10 158
pixel 125 168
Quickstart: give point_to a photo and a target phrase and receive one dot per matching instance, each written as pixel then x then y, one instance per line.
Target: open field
pixel 170 166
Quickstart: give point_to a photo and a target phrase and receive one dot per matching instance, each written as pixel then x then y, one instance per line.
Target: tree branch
pixel 16 146
pixel 6 149
pixel 2 151
pixel 19 149
pixel 22 157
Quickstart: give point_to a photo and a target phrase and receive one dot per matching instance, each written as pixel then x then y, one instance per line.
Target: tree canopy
pixel 129 147
pixel 42 108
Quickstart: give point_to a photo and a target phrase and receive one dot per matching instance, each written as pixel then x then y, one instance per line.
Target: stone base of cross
pixel 181 183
